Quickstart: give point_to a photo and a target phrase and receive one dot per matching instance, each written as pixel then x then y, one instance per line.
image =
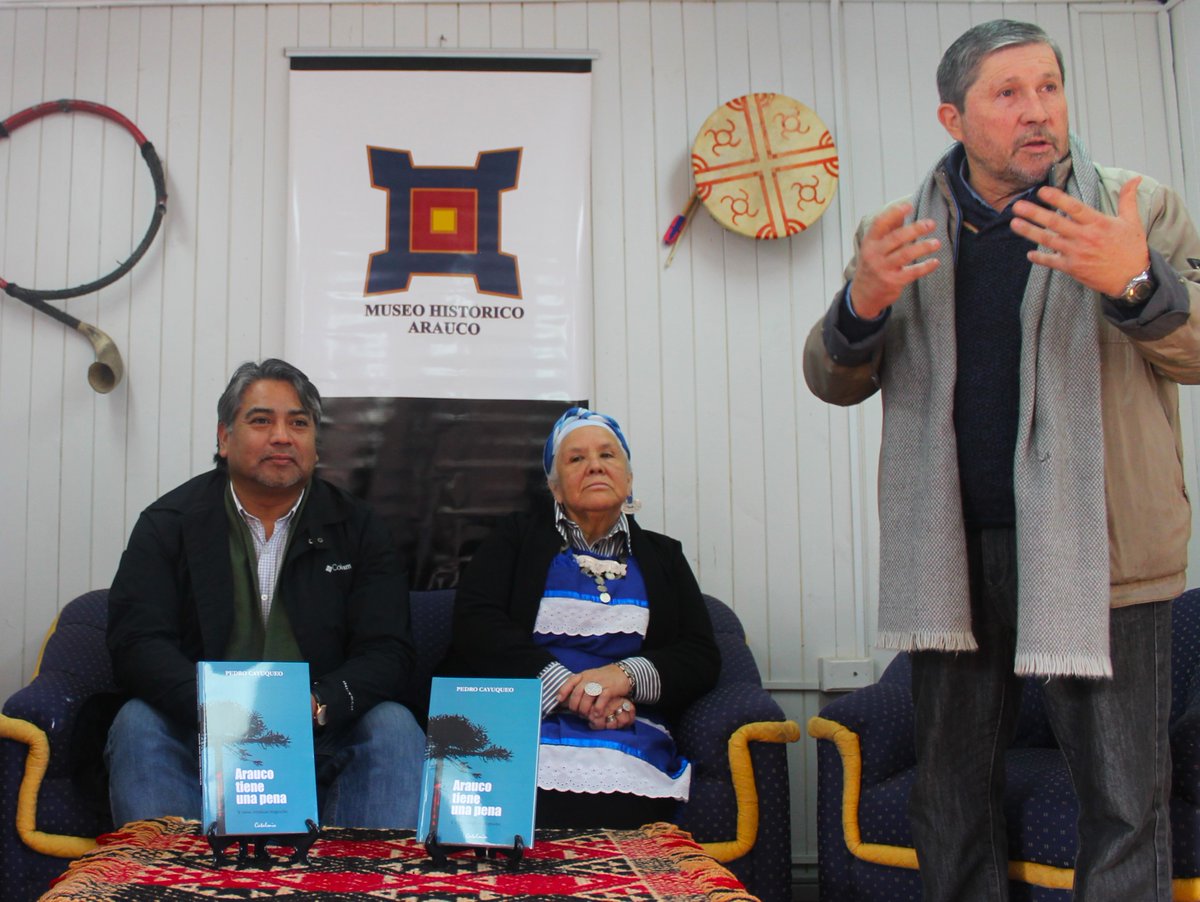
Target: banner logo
pixel 444 221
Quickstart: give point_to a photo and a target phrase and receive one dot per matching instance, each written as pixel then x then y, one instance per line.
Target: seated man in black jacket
pixel 258 560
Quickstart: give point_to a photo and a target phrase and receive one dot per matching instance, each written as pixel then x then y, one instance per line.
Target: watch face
pixel 1139 288
pixel 1141 291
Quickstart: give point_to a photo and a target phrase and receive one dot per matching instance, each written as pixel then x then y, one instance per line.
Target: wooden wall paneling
pixel 737 75
pixel 682 431
pixel 179 148
pixel 122 172
pixel 410 25
pixel 1022 12
pixel 704 252
pixel 1091 114
pixel 953 20
pixel 506 25
pixel 608 305
pixel 1163 49
pixel 16 338
pixel 776 619
pixel 570 26
pixel 12 610
pixel 214 318
pixel 282 31
pixel 830 534
pixel 865 150
pixel 248 170
pixel 379 25
pixel 799 613
pixel 895 91
pixel 131 414
pixel 345 25
pixel 640 410
pixel 8 29
pixel 474 25
pixel 929 138
pixel 982 12
pixel 1159 139
pixel 1185 35
pixel 808 78
pixel 1185 32
pixel 315 23
pixel 47 405
pixel 537 25
pixel 863 139
pixel 441 25
pixel 1126 97
pixel 78 402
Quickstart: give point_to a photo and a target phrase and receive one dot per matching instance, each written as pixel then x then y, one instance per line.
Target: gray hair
pixel 271 368
pixel 960 63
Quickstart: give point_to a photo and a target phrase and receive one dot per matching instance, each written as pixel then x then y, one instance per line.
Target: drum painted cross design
pixel 765 166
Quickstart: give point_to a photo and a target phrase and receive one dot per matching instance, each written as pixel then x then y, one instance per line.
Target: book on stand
pixel 479 785
pixel 257 771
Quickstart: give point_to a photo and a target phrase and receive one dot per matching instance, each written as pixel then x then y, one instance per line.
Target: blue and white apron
pixel 582 632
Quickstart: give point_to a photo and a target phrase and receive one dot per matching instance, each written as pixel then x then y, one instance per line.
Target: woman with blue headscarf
pixel 609 616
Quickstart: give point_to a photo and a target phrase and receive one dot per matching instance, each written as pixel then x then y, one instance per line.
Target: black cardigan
pixel 500 592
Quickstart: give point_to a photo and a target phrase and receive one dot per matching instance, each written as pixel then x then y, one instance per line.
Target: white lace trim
pixel 601 567
pixel 579 617
pixel 575 769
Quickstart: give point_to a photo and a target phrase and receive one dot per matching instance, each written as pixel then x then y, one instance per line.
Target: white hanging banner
pixel 439 229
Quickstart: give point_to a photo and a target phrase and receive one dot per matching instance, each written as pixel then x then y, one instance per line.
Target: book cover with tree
pixel 479 785
pixel 257 771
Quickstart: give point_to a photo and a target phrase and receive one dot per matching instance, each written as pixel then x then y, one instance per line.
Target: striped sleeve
pixel 553 676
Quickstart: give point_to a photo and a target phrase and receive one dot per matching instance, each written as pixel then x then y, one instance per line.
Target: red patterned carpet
pixel 167 860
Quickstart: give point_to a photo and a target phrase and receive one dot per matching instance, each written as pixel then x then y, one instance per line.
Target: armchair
pixel 738 807
pixel 866 764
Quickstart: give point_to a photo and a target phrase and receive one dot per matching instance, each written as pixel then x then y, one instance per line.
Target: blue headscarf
pixel 574 418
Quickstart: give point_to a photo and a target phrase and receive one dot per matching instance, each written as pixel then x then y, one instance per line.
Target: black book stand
pixel 439 853
pixel 261 858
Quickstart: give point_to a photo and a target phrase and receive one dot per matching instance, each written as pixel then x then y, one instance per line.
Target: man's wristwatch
pixel 1138 290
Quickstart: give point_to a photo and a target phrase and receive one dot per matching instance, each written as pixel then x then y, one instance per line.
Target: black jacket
pixel 500 592
pixel 171 603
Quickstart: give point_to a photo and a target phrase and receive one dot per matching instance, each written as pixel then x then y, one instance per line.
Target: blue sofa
pixel 866 765
pixel 47 817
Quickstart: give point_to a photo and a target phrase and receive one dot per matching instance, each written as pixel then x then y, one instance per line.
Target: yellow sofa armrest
pixel 36 761
pixel 745 791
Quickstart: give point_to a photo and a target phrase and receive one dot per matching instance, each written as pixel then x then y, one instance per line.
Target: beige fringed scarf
pixel 1062 533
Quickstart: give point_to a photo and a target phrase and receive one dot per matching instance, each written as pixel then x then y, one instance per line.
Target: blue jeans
pixel 1113 734
pixel 368 774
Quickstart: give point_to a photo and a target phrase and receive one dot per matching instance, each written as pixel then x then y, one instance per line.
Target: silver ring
pixel 593 689
pixel 611 718
pixel 625 706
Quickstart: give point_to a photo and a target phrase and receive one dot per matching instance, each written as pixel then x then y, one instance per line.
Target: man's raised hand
pixel 892 255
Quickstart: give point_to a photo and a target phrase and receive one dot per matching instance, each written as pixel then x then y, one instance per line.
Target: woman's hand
pixel 614 688
pixel 618 714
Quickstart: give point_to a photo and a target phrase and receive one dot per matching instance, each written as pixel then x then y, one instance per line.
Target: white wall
pixel 771 492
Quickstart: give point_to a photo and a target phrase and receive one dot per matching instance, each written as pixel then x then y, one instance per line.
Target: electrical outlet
pixel 844 674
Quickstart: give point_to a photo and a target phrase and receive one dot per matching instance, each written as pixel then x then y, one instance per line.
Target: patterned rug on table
pixel 167 860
